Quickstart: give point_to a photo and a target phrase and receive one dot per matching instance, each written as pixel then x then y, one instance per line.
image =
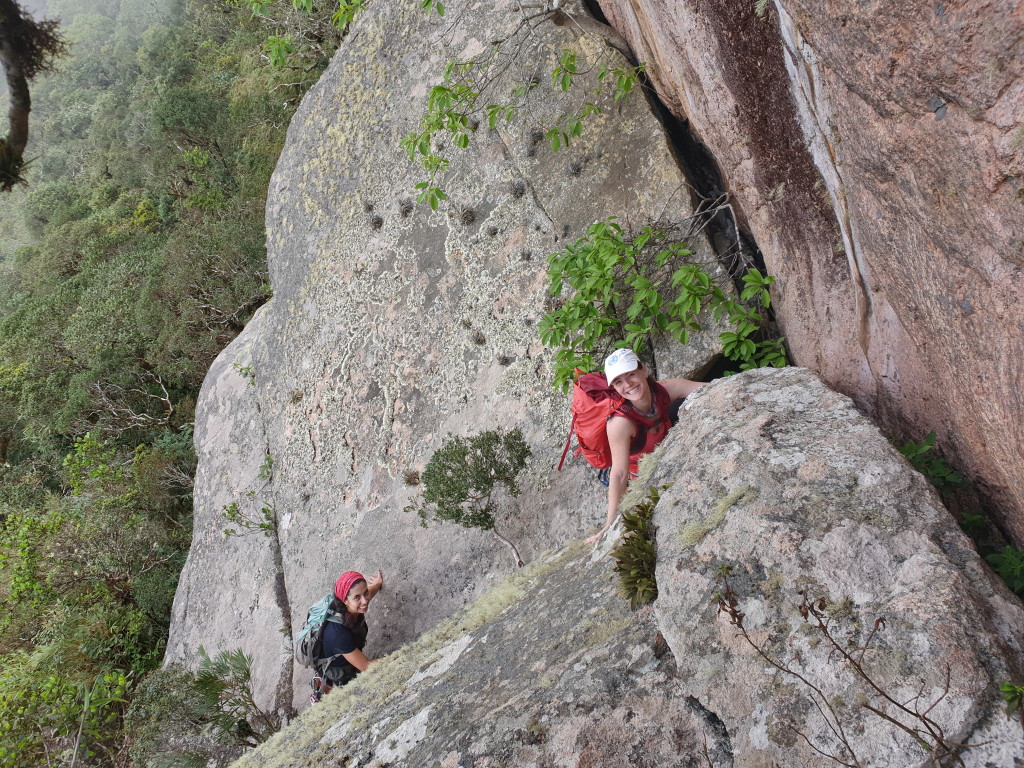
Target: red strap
pixel 565 450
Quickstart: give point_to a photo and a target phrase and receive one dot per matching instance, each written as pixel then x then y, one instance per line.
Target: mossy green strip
pixel 693 532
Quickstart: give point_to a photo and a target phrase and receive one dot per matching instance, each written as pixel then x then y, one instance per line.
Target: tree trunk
pixel 13 28
pixel 510 545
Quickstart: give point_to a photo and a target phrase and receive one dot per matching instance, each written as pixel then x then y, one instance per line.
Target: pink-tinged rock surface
pixel 876 153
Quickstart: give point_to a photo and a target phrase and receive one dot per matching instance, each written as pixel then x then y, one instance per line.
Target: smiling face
pixel 358 598
pixel 633 385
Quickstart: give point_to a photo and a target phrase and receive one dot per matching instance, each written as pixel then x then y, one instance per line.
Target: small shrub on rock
pixel 636 557
pixel 462 476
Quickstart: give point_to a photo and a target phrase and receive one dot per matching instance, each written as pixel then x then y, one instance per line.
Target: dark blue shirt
pixel 340 638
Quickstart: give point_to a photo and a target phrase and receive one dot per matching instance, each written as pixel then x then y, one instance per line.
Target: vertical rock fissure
pixel 283 692
pixel 734 247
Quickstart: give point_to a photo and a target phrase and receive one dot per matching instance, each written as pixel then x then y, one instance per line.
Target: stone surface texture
pixel 392 326
pixel 780 477
pixel 548 669
pixel 875 153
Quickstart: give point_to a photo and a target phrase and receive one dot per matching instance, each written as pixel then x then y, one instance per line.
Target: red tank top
pixel 649 430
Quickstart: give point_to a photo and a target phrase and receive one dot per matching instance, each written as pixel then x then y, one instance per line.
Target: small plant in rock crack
pixel 930 464
pixel 247 372
pixel 636 557
pixel 1009 565
pixel 462 476
pixel 1013 694
pixel 913 716
pixel 244 523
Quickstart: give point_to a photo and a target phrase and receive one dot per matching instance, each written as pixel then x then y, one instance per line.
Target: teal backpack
pixel 310 640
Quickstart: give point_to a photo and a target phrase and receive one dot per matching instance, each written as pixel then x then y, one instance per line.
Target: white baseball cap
pixel 619 362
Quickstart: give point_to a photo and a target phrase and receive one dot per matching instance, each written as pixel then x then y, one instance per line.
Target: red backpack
pixel 593 403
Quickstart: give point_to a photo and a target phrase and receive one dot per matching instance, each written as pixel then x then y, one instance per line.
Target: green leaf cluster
pixel 930 464
pixel 224 683
pixel 460 103
pixel 265 521
pixel 1009 565
pixel 76 718
pixel 462 476
pixel 1013 695
pixel 623 289
pixel 635 556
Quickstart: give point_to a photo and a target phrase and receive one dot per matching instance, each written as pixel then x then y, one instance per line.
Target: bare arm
pixel 678 388
pixel 620 434
pixel 358 660
pixel 374 584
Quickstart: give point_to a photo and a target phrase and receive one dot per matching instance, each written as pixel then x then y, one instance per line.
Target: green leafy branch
pixel 1009 565
pixel 459 104
pixel 930 464
pixel 624 289
pixel 1013 695
pixel 244 523
pixel 461 477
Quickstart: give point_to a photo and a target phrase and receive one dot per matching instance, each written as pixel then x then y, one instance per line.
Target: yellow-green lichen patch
pixel 693 532
pixel 639 487
pixel 602 631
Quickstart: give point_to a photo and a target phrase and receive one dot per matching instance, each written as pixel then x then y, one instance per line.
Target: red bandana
pixel 345 582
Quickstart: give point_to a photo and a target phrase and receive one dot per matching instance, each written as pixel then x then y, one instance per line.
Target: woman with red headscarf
pixel 344 633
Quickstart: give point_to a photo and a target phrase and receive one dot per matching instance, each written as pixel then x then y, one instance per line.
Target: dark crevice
pixel 721 749
pixel 594 10
pixel 284 690
pixel 734 247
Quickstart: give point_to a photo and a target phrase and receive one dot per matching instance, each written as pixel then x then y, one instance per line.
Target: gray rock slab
pixel 779 478
pixel 548 669
pixel 392 326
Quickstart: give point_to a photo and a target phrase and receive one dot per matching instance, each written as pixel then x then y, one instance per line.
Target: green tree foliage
pixel 626 288
pixel 461 478
pixel 136 253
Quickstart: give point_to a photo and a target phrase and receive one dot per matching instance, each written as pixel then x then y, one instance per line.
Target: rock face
pixel 779 477
pixel 393 325
pixel 548 669
pixel 875 151
pixel 782 480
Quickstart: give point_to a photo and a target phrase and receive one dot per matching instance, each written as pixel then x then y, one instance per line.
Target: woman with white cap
pixel 640 424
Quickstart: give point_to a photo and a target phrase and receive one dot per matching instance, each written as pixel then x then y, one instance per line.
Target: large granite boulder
pixel 874 152
pixel 779 477
pixel 393 325
pixel 780 487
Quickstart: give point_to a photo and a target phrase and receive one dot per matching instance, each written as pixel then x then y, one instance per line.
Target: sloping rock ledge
pixel 779 478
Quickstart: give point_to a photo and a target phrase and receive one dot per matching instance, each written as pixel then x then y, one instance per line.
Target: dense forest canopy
pixel 133 255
